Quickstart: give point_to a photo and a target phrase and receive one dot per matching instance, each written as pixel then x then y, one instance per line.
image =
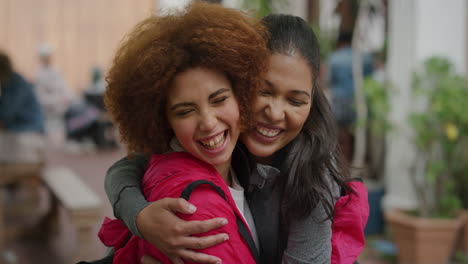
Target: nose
pixel 208 121
pixel 274 111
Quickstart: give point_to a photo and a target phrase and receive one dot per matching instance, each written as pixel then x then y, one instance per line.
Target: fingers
pixel 197 227
pixel 149 260
pixel 160 226
pixel 197 257
pixel 179 205
pixel 176 260
pixel 204 242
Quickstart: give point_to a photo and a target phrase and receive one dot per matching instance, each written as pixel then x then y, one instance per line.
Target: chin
pixel 261 153
pixel 217 162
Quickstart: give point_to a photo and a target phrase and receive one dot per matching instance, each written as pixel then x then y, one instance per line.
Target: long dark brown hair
pixel 311 165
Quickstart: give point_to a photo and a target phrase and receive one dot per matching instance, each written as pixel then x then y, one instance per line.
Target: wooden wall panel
pixel 83 33
pixel 3 23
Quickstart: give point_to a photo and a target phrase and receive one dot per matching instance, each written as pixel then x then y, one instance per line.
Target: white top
pixel 237 193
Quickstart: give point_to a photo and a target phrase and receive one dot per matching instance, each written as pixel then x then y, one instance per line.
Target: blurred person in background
pixel 54 95
pixel 21 118
pixel 86 120
pixel 341 83
pixel 105 137
pixel 95 91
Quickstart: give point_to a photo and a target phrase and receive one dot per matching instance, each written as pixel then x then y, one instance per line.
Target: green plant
pixel 378 105
pixel 440 135
pixel 460 258
pixel 261 7
pixel 326 39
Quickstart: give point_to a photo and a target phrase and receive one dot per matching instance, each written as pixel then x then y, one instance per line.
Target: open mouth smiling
pixel 213 142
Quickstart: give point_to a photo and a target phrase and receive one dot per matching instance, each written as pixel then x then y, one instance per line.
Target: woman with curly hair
pixel 293 200
pixel 175 90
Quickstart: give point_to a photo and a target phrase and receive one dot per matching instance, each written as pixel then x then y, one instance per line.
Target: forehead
pixel 290 72
pixel 197 81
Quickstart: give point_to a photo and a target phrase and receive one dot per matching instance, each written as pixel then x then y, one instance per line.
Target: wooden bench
pixel 82 205
pixel 16 173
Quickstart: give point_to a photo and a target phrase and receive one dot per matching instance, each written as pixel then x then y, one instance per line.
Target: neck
pixel 223 170
pixel 264 160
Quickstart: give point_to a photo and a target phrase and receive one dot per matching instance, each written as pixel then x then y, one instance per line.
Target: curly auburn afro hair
pixel 158 48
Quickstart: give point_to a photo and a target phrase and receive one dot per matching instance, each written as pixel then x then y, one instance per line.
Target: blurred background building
pixel 81 38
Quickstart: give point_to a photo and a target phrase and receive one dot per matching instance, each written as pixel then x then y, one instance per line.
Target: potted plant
pixel 461 189
pixel 440 126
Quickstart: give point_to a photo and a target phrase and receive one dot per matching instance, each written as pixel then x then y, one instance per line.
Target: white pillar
pixel 466 40
pixel 418 29
pixel 167 6
pixel 293 7
pixel 233 3
pixel 329 21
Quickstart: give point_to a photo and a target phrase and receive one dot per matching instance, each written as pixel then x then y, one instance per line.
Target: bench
pixel 27 173
pixel 81 204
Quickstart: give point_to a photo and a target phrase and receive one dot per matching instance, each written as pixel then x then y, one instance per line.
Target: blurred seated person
pixel 86 120
pixel 21 118
pixel 95 92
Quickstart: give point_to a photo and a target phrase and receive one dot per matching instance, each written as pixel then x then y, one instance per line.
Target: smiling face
pixel 282 106
pixel 204 115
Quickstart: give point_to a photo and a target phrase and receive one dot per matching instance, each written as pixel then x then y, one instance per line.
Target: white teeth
pixel 268 132
pixel 214 142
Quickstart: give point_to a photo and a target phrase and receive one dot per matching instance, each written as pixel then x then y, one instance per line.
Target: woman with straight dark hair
pixel 289 164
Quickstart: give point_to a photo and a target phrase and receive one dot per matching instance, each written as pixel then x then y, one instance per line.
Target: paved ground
pixel 91 167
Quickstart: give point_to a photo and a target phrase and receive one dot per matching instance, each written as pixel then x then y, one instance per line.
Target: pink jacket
pixel 179 174
pixel 351 214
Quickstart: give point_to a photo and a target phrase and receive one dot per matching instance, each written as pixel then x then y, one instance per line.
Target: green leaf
pixel 434 171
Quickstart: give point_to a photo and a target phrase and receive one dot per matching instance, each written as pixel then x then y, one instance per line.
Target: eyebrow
pixel 220 91
pixel 301 92
pixel 211 96
pixel 184 104
pixel 294 91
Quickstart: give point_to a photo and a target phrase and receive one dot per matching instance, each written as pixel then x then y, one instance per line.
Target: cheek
pixel 183 130
pixel 259 104
pixel 230 113
pixel 297 119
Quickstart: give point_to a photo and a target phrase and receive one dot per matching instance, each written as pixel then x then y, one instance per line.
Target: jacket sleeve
pixel 123 188
pixel 351 214
pixel 309 239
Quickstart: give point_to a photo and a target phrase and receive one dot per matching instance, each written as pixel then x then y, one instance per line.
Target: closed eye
pixel 219 100
pixel 183 113
pixel 295 102
pixel 264 93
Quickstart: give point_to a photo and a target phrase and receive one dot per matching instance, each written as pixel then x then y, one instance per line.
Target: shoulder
pixel 20 84
pixel 177 162
pixel 172 172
